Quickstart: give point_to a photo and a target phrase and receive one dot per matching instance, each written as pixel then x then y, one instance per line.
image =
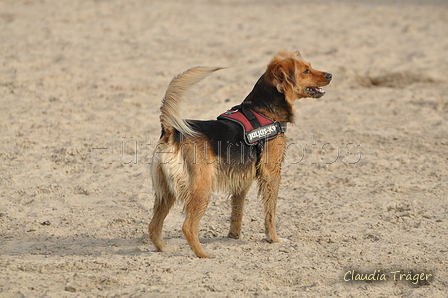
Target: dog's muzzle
pixel 318 92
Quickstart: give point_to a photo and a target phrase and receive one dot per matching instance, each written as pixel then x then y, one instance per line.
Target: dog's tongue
pixel 316 92
pixel 317 89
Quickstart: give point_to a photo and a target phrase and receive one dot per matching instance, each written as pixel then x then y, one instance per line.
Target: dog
pixel 194 158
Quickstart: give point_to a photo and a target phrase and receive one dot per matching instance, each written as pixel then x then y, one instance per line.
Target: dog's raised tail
pixel 171 114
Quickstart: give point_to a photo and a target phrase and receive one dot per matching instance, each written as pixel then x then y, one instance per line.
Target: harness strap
pixel 244 107
pixel 247 112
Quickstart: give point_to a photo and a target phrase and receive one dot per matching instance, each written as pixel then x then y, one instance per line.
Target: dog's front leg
pixel 268 174
pixel 236 219
pixel 268 190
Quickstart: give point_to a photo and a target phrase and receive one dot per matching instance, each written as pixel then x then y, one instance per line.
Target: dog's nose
pixel 328 76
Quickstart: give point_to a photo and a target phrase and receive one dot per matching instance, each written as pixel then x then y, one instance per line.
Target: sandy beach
pixel 364 182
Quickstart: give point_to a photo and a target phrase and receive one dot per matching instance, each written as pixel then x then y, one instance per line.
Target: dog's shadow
pixel 73 245
pixel 85 245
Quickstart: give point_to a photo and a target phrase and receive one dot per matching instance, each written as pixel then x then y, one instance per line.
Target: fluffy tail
pixel 171 114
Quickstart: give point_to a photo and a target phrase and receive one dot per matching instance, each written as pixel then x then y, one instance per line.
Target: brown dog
pixel 193 157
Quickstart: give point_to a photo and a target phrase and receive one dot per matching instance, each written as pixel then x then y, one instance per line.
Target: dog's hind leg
pixel 195 207
pixel 163 202
pixel 236 218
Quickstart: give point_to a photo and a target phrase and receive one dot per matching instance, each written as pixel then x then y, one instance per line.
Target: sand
pixel 364 184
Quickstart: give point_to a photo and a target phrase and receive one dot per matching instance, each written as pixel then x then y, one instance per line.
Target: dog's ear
pixel 297 53
pixel 283 72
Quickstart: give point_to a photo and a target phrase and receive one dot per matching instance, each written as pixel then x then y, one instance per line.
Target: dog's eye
pixel 306 71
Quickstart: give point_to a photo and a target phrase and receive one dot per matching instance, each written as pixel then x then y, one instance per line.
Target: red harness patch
pixel 266 130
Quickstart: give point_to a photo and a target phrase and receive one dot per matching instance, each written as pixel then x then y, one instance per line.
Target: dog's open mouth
pixel 316 92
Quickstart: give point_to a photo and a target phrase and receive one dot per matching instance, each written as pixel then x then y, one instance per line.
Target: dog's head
pixel 295 78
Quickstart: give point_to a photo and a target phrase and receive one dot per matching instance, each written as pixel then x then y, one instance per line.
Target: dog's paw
pixel 204 255
pixel 277 240
pixel 168 249
pixel 234 236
